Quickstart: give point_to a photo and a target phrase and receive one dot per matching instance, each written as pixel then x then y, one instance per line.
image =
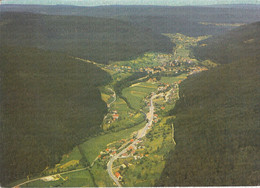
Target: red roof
pixel 131 147
pixel 117 174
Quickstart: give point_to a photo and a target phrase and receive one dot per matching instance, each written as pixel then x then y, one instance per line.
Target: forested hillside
pixel 189 20
pixel 49 103
pixel 240 43
pixel 217 117
pixel 98 39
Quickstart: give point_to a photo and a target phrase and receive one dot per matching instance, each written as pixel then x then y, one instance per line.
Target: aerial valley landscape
pixel 129 95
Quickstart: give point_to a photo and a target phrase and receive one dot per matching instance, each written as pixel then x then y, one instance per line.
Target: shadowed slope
pixel 98 39
pixel 217 124
pixel 49 103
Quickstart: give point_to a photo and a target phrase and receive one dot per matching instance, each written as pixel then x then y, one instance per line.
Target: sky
pixel 129 2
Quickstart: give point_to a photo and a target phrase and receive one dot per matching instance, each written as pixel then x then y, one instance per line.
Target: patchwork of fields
pixel 136 93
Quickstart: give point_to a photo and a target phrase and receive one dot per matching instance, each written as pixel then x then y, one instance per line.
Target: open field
pixel 118 76
pixel 74 155
pixel 127 117
pixel 144 61
pixel 171 80
pixel 120 105
pixel 81 179
pixel 184 45
pixel 101 176
pixel 93 146
pixel 137 93
pixel 105 97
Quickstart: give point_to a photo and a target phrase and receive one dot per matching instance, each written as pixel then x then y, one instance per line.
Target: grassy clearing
pixel 81 179
pixel 147 60
pixel 127 117
pixel 183 46
pixel 120 105
pixel 137 93
pixel 120 76
pixel 159 101
pixel 171 80
pixel 105 97
pixel 101 176
pixel 93 146
pixel 66 162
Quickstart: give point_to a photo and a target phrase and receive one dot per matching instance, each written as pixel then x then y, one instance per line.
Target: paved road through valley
pixel 141 133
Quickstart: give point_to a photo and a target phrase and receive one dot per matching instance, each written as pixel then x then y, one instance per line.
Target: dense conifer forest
pixel 97 39
pixel 49 103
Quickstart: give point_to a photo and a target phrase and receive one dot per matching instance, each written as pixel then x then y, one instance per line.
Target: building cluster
pixel 166 64
pixel 115 115
pixel 196 70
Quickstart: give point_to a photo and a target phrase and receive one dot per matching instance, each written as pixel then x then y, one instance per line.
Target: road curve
pixel 141 133
pixel 108 105
pixel 114 96
pixel 36 179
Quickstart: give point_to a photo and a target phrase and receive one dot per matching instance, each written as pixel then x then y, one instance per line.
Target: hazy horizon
pixel 130 2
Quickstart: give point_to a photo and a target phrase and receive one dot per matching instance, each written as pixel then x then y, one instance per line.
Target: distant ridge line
pixel 89 6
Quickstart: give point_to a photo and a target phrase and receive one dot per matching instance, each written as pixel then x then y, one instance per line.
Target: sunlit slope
pixel 49 103
pixel 98 39
pixel 217 124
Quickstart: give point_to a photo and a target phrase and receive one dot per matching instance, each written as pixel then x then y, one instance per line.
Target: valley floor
pixel 137 133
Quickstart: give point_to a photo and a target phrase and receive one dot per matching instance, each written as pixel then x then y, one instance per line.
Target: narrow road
pixel 114 96
pixel 108 105
pixel 36 179
pixel 141 133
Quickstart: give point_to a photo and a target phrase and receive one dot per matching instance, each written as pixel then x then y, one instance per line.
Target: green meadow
pixel 171 80
pixel 93 146
pixel 81 178
pixel 137 92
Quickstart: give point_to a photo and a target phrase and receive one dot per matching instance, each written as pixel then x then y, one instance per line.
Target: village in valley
pixel 164 74
pixel 133 105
